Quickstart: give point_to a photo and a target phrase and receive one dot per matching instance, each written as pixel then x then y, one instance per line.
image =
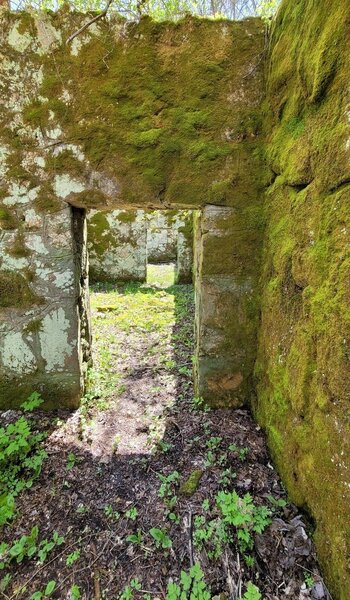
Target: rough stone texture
pixel 122 242
pixel 132 116
pixel 117 244
pixel 225 279
pixel 40 342
pixel 303 369
pixel 162 236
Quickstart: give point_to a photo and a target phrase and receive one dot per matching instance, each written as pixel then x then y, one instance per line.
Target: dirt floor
pixel 142 483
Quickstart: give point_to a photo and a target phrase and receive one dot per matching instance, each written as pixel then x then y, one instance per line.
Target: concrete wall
pixel 122 242
pixel 303 367
pixel 108 129
pixel 117 245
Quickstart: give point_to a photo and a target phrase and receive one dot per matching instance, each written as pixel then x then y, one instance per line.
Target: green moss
pixel 126 216
pixel 190 486
pixel 302 370
pixel 18 248
pixel 8 219
pixel 15 291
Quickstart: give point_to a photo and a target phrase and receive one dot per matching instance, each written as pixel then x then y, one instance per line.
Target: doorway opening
pixel 142 323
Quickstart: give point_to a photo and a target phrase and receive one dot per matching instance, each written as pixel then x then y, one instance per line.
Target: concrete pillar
pixel 226 308
pixel 184 260
pixel 41 289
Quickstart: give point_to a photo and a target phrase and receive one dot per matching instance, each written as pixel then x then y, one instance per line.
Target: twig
pixel 188 525
pixel 95 18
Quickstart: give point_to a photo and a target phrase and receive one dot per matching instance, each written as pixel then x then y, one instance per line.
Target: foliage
pixel 244 516
pixel 161 10
pixel 21 458
pixel 49 589
pixel 161 538
pixel 252 593
pixel 27 546
pixel 191 586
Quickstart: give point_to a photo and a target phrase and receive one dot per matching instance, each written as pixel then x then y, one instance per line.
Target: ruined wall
pixel 129 116
pixel 117 244
pixel 303 369
pixel 122 242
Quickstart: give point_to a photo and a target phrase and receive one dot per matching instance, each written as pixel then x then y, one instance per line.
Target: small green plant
pixel 212 534
pixel 199 403
pixel 116 442
pixel 161 538
pixel 21 458
pixel 191 585
pixel 111 513
pixel 47 545
pixel 242 452
pixel 74 593
pixel 71 461
pixel 46 593
pixel 309 580
pixel 277 502
pixel 128 591
pixel 214 442
pixel 252 593
pixel 72 557
pixel 244 516
pixel 136 538
pixel 132 513
pixel 27 546
pixel 227 477
pixel 34 401
pixel 166 489
pixel 82 509
pixel 164 446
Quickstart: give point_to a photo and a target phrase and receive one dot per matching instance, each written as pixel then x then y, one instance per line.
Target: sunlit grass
pixel 161 275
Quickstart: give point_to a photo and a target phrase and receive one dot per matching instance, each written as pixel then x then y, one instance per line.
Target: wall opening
pixel 142 324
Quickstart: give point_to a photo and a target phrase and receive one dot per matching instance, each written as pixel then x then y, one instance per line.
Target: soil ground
pixel 137 480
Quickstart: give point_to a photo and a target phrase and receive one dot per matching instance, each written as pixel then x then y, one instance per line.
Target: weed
pixel 49 589
pixel 74 593
pixel 252 593
pixel 71 461
pixel 111 513
pixel 136 538
pixel 161 538
pixel 132 513
pixel 309 580
pixel 72 557
pixel 21 458
pixel 27 546
pixel 244 516
pixel 191 585
pixel 242 452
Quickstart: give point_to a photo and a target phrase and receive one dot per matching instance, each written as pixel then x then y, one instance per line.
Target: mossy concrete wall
pixel 117 245
pixel 128 116
pixel 303 369
pixel 122 242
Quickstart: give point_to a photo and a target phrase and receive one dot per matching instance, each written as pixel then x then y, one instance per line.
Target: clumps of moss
pixel 8 219
pixel 65 162
pixel 15 291
pixel 126 216
pixel 190 486
pixel 47 201
pixel 19 249
pixel 90 198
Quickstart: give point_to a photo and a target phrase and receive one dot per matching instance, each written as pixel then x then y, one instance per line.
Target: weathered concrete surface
pixel 133 116
pixel 303 367
pixel 40 342
pixel 117 244
pixel 122 242
pixel 226 286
